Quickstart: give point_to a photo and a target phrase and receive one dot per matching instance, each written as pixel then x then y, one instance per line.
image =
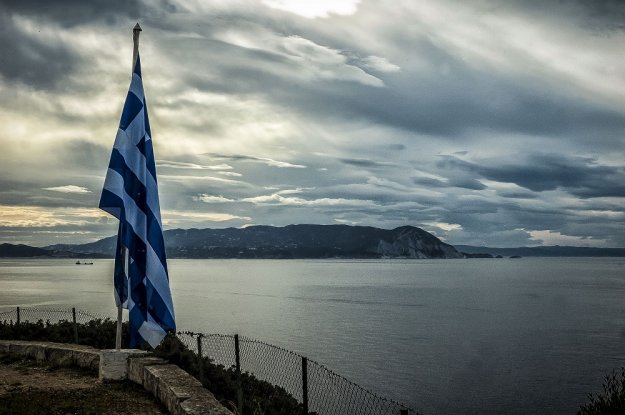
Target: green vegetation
pixel 611 401
pixel 97 333
pixel 259 397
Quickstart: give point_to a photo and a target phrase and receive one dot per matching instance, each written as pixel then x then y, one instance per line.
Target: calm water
pixel 444 336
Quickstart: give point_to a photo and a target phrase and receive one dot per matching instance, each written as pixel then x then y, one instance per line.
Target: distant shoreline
pixel 306 241
pixel 71 260
pixel 468 252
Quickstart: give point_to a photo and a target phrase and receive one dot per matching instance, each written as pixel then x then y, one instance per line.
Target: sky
pixel 484 122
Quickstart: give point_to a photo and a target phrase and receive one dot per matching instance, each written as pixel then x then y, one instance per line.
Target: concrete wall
pixel 178 391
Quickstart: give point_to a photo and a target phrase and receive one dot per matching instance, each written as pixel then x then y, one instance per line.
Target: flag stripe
pixel 141 146
pixel 149 155
pixel 119 274
pixel 147 120
pixel 157 273
pixel 136 88
pixel 132 107
pixel 158 308
pixel 137 68
pixel 157 244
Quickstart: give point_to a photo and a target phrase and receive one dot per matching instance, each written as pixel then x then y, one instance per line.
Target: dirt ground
pixel 27 388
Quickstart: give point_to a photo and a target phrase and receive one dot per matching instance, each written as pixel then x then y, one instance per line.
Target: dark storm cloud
pixel 81 154
pixel 439 105
pixel 32 60
pixel 380 195
pixel 517 194
pixel 429 182
pixel 598 15
pixel 44 62
pixel 69 13
pixel 581 176
pixel 461 182
pixel 447 107
pixel 467 183
pixel 475 207
pixel 446 104
pixel 79 160
pixel 31 194
pixel 366 163
pixel 46 199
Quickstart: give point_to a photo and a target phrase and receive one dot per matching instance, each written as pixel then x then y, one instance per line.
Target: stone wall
pixel 178 391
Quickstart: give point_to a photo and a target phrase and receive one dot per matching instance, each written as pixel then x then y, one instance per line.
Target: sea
pixel 466 336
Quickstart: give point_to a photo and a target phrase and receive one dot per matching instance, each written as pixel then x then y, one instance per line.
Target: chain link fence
pixel 48 316
pixel 320 390
pixel 51 315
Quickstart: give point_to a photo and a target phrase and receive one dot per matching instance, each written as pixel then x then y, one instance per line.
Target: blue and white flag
pixel 131 195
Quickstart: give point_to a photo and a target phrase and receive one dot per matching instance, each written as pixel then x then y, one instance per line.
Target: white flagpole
pixel 136 31
pixel 118 335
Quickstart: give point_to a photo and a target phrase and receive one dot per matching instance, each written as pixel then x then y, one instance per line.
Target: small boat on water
pixel 84 263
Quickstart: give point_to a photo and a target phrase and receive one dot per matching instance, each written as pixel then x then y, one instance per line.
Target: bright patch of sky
pixel 317 8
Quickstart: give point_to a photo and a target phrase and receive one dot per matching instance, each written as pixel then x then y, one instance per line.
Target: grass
pixel 33 388
pixel 118 398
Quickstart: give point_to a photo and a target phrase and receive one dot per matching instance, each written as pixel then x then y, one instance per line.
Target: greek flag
pixel 131 195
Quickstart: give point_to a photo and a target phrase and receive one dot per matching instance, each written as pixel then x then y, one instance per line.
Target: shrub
pixel 611 400
pixel 97 333
pixel 259 397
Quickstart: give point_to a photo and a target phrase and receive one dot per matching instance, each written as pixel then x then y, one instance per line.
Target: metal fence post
pixel 305 384
pixel 199 357
pixel 18 316
pixel 237 358
pixel 75 326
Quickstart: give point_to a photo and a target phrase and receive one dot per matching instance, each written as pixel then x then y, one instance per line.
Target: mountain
pixel 104 248
pixel 292 241
pixel 545 251
pixel 25 251
pixel 309 241
pixel 22 251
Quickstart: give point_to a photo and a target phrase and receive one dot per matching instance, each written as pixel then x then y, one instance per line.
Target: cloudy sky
pixel 484 122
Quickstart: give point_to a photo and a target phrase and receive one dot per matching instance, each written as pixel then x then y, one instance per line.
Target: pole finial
pixel 137 27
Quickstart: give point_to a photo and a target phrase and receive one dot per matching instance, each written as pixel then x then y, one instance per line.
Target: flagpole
pixel 118 335
pixel 136 31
